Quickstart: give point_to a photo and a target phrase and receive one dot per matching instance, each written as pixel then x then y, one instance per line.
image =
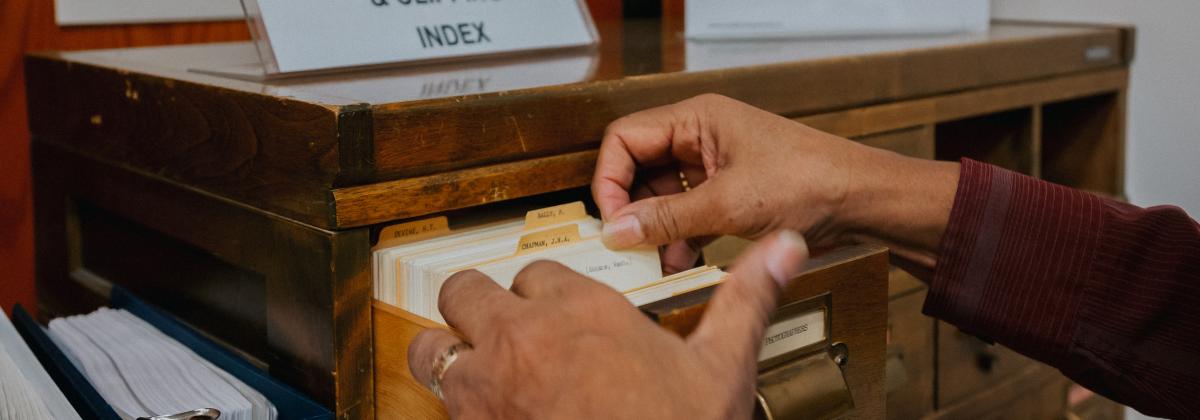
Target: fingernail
pixel 786 257
pixel 624 232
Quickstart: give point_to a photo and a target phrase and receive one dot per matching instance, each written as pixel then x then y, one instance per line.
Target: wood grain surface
pixel 890 125
pixel 302 144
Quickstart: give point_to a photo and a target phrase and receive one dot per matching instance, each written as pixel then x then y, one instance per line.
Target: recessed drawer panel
pixel 910 351
pixel 967 365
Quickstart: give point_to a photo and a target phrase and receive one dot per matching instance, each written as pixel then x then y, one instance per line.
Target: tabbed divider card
pixel 410 274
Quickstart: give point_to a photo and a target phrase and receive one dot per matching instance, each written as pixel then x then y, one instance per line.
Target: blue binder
pixel 290 403
pixel 87 402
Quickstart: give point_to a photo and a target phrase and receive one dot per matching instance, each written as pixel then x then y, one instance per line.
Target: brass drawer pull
pixel 812 387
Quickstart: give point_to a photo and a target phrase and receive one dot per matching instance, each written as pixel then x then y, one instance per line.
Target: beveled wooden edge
pixel 412 197
pixel 905 114
pixel 419 196
pixel 395 311
pixel 788 88
pixel 1128 31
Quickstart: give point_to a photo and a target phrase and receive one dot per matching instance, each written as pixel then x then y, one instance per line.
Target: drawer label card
pixel 794 332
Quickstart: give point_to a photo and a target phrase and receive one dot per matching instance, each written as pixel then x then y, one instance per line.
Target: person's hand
pixel 753 172
pixel 562 346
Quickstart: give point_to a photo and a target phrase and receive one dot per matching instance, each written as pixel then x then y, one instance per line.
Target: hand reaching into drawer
pixel 748 172
pixel 1037 267
pixel 560 345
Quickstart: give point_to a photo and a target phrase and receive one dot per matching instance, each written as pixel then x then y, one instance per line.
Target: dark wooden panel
pixel 967 366
pixel 1003 139
pixel 1082 143
pixel 279 154
pixel 910 335
pixel 1032 393
pixel 317 283
pixel 196 286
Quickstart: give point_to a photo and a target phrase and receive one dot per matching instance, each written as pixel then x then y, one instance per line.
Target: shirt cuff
pixel 1013 259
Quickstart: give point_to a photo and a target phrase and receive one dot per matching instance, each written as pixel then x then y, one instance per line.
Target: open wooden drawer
pixel 833 367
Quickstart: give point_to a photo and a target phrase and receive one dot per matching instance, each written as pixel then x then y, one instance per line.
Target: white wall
pixel 1163 145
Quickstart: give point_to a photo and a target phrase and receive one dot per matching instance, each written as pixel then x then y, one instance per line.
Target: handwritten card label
pixel 308 35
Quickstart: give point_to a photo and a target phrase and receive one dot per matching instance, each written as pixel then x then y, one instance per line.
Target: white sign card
pixel 115 12
pixel 709 55
pixel 732 19
pixel 310 35
pixel 792 333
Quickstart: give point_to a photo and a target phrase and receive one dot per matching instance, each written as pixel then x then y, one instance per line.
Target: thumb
pixel 732 327
pixel 664 219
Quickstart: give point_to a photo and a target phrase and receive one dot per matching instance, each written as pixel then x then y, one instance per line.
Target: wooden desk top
pixel 402 87
pixel 460 134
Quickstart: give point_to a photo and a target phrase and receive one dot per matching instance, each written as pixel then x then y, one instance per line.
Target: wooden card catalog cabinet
pixel 248 209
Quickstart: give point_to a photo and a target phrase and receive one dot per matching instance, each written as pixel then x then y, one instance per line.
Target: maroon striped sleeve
pixel 1105 291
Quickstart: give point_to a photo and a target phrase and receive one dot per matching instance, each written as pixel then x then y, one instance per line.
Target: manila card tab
pixel 550 238
pixel 413 231
pixel 559 214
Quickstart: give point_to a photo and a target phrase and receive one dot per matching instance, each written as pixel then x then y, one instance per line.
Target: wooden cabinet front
pixel 249 206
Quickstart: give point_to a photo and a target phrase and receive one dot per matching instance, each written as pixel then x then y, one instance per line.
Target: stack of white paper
pixel 410 275
pixel 26 390
pixel 142 372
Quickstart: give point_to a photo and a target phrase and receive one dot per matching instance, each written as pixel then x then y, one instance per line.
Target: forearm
pixel 899 201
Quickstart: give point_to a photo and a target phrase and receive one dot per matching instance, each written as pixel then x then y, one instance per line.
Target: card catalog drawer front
pixel 800 368
pixel 967 365
pixel 909 366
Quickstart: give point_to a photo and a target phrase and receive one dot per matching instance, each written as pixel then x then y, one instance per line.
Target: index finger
pixel 652 137
pixel 470 300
